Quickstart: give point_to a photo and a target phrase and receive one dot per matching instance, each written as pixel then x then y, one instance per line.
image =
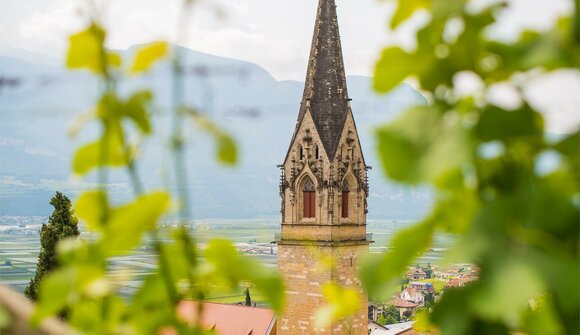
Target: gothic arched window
pixel 309 195
pixel 345 192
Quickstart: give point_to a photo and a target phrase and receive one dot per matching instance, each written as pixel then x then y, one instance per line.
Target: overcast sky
pixel 274 34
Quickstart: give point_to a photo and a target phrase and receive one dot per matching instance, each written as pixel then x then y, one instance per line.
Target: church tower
pixel 324 191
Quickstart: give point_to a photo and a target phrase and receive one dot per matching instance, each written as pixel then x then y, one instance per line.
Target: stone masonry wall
pixel 305 274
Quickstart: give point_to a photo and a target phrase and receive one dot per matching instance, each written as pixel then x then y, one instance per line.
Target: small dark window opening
pixel 301 152
pixel 316 152
pixel 309 195
pixel 345 192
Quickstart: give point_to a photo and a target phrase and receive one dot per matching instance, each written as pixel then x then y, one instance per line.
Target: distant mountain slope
pixel 261 112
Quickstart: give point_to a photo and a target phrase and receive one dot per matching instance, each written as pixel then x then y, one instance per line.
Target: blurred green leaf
pixel 107 151
pixel 86 50
pixel 405 9
pixel 128 223
pixel 340 303
pixel 380 274
pixel 541 319
pixel 570 146
pixel 454 211
pixel 92 207
pixel 453 315
pixel 392 68
pixel 136 108
pixel 114 59
pixel 498 124
pixel 228 266
pixel 227 151
pixel 148 55
pixel 151 307
pixel 507 291
pixel 428 147
pixel 63 287
pixel 5 319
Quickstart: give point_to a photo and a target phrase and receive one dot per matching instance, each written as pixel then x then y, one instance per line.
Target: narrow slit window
pixel 309 195
pixel 345 192
pixel 316 152
pixel 301 152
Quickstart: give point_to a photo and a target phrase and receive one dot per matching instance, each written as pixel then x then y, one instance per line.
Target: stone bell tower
pixel 324 191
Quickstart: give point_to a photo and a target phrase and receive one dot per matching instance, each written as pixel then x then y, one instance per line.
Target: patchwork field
pixel 19 249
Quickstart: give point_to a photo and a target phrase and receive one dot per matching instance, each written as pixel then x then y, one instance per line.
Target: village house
pixel 406 308
pixel 422 286
pixel 405 328
pixel 413 295
pixel 416 273
pixel 228 319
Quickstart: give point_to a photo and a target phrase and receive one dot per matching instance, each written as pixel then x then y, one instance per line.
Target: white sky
pixel 274 34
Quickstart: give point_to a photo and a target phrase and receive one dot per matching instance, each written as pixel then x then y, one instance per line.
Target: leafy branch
pixel 520 225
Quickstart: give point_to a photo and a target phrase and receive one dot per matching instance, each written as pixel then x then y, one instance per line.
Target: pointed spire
pixel 325 93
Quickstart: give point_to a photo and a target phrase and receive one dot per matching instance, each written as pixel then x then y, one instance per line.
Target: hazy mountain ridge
pixel 244 98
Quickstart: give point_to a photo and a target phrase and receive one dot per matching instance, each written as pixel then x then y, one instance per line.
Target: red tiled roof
pixel 230 319
pixel 411 290
pixel 400 303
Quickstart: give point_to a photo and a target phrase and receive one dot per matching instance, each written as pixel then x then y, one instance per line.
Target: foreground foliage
pixel 81 284
pixel 507 190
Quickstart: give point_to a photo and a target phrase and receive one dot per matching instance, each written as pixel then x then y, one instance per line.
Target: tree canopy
pixel 62 224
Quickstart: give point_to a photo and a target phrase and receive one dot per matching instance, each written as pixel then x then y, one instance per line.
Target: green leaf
pixel 542 319
pixel 452 315
pixel 106 152
pixel 423 146
pixel 136 108
pixel 86 50
pixel 150 306
pixel 498 124
pixel 114 59
pixel 148 55
pixel 340 303
pixel 128 223
pixel 112 110
pixel 5 319
pixel 228 266
pixel 455 210
pixel 506 294
pixel 380 274
pixel 392 68
pixel 405 9
pixel 227 151
pixel 92 207
pixel 56 290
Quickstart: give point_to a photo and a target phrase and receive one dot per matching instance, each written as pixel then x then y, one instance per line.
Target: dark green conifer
pixel 61 224
pixel 248 298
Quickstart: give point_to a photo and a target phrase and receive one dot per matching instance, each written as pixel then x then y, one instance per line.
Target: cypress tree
pixel 61 224
pixel 248 298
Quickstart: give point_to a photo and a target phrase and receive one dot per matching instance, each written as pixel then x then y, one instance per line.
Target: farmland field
pixel 19 246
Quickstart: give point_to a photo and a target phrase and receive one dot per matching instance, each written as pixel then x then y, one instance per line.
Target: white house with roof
pixel 412 294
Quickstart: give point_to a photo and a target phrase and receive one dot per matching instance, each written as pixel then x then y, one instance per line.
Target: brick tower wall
pixel 305 271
